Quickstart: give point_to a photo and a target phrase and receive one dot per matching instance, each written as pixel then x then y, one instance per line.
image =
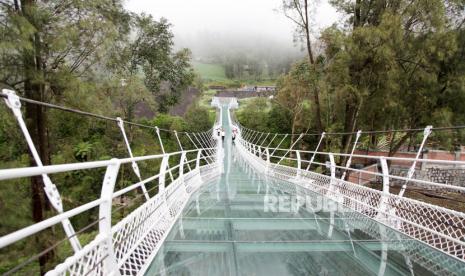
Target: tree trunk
pixel 36 123
pixel 357 14
pixel 399 144
pixel 316 93
pixel 350 123
pixel 316 97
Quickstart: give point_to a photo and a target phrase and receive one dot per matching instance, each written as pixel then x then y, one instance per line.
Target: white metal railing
pixel 437 226
pixel 127 247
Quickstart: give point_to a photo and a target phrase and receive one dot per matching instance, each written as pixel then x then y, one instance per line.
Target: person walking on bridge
pixel 223 133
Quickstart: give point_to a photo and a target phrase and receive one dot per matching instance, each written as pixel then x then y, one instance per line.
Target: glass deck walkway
pixel 227 229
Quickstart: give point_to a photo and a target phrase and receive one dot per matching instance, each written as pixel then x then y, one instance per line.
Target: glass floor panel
pixel 231 226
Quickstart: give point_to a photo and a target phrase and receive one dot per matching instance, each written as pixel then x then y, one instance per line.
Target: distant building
pixel 247 89
pixel 216 87
pixel 257 89
pixel 265 88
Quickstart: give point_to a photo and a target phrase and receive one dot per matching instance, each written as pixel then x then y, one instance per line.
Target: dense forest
pixel 391 65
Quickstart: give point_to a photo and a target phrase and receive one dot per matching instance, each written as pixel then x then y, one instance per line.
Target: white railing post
pixel 197 167
pixel 110 266
pixel 181 170
pixel 134 165
pixel 299 164
pixel 267 152
pixel 181 164
pixel 385 195
pixel 163 150
pixel 349 161
pixel 411 171
pixel 51 191
pixel 162 183
pixel 161 178
pixel 332 168
pixel 181 148
pixel 197 162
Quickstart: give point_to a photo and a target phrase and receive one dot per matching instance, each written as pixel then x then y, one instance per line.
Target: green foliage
pixel 264 115
pixel 82 151
pixel 198 119
pixel 153 53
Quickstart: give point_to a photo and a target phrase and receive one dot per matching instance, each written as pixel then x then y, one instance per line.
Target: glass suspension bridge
pixel 244 207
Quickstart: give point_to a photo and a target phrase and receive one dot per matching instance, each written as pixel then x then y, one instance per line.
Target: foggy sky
pixel 233 18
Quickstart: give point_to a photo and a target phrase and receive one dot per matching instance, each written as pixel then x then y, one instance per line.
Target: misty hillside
pixel 234 56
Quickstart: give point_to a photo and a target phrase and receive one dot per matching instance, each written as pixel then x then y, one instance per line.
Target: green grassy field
pixel 212 72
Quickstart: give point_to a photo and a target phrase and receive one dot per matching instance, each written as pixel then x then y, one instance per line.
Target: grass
pixel 211 72
pixel 214 74
pixel 206 98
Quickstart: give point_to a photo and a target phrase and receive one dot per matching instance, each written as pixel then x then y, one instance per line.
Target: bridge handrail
pixel 108 193
pixel 378 159
pixel 438 226
pixel 6 174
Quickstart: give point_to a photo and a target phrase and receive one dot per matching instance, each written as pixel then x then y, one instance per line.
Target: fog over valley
pixel 213 29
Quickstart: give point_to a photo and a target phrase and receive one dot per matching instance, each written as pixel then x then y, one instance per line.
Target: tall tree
pixel 298 11
pixel 293 95
pixel 392 55
pixel 46 44
pixel 167 73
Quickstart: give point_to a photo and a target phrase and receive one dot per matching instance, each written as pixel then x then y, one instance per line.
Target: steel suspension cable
pixel 50 248
pixel 86 113
pixel 366 132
